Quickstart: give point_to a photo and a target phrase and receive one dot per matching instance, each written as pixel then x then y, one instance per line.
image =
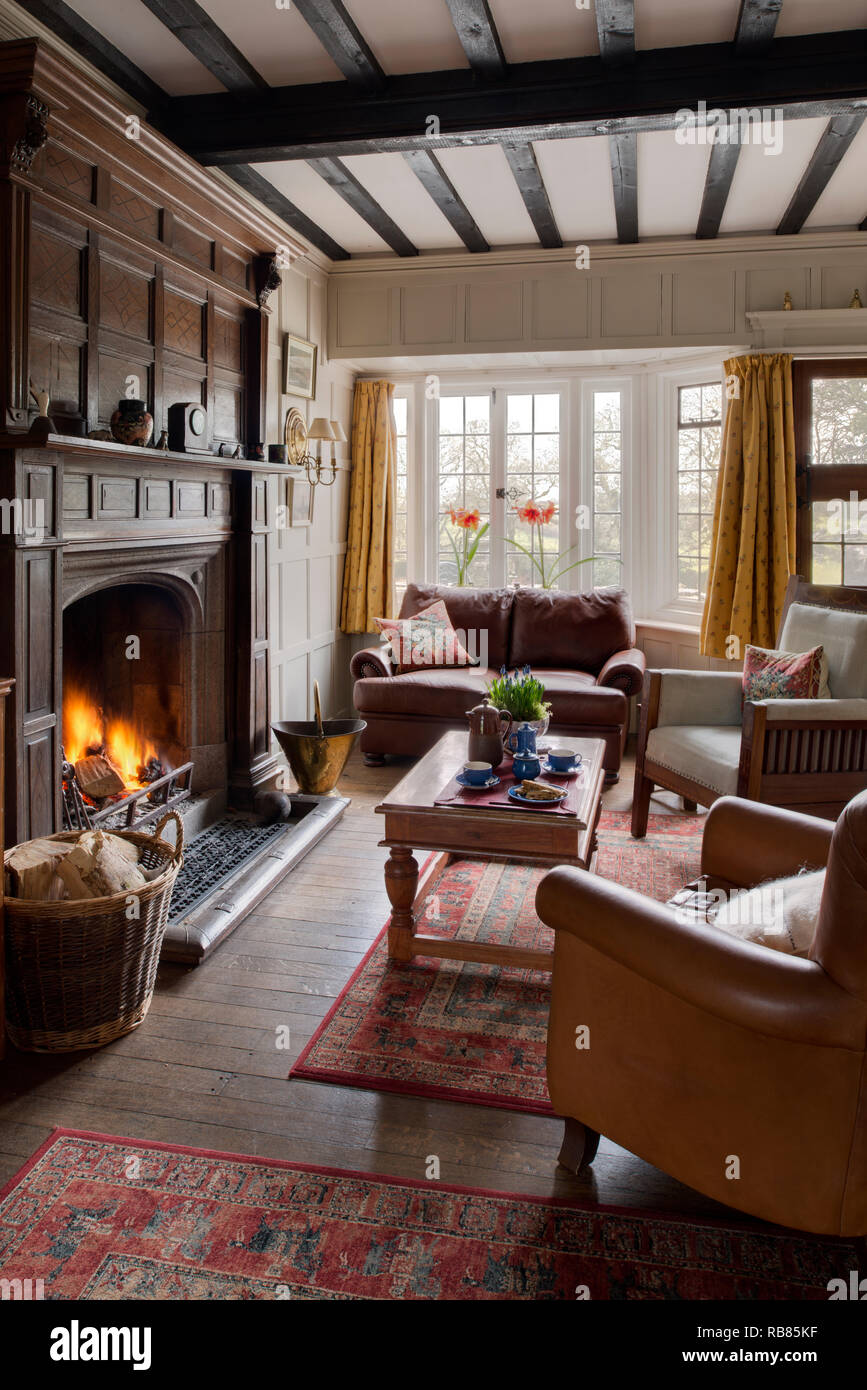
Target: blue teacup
pixel 564 759
pixel 477 774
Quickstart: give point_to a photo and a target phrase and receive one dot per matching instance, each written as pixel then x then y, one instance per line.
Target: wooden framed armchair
pixel 697 738
pixel 701 1048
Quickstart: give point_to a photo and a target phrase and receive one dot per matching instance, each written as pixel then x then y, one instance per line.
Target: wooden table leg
pixel 401 884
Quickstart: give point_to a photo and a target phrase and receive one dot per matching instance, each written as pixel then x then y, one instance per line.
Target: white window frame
pixel 585 474
pixel 663 600
pixel 499 388
pixel 649 501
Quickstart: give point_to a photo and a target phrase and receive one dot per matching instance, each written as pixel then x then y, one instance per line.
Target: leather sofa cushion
pixel 709 754
pixel 579 631
pixel 576 699
pixel 443 693
pixel 438 692
pixel 472 612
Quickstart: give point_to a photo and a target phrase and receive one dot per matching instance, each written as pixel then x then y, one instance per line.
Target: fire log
pixel 98 777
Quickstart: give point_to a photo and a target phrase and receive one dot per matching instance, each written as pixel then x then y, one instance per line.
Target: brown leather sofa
pixel 581 646
pixel 704 1047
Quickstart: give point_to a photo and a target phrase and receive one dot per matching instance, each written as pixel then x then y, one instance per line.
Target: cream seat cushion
pixel 705 753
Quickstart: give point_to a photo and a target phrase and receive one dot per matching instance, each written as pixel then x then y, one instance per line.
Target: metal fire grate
pixel 136 808
pixel 214 856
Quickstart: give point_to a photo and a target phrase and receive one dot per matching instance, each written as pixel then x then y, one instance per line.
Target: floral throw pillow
pixel 770 675
pixel 425 640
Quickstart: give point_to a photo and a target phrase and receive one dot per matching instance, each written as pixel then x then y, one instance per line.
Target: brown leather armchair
pixel 704 1048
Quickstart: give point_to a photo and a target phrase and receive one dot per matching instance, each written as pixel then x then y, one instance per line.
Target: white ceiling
pixel 419 35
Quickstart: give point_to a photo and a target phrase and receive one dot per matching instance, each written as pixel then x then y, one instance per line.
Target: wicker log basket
pixel 80 974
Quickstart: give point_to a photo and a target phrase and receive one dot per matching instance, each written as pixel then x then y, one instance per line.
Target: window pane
pixel 546 452
pixel 855 564
pixel 452 454
pixel 451 492
pixel 547 414
pixel 477 453
pixel 607 535
pixel 519 414
pixel 606 410
pixel 711 402
pixel 698 459
pixel 606 492
pixel 606 453
pixel 519 453
pixel 400 405
pixel 827 564
pixel 689 450
pixel 839 421
pixel 687 576
pixel 478 414
pixel 690 404
pixel 451 415
pixel 604 572
pixel 689 492
pixel 477 492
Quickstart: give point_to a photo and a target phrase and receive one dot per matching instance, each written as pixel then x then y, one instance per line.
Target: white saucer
pixel 557 772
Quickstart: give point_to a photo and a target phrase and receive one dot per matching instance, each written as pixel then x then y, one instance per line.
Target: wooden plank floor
pixel 205 1069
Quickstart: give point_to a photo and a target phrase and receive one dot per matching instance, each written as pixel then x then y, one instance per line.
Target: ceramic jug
pixel 487 735
pixel 522 745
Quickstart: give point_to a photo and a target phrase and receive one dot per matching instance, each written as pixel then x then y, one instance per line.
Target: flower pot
pixel 132 423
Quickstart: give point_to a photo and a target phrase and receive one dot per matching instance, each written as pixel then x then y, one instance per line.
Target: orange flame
pixel 126 745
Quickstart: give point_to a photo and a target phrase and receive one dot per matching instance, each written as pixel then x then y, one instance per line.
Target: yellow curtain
pixel 753 546
pixel 368 576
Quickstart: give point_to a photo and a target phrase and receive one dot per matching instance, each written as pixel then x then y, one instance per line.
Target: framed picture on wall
pixel 301 496
pixel 299 367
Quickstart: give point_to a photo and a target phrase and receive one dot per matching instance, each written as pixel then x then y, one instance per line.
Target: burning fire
pixel 86 730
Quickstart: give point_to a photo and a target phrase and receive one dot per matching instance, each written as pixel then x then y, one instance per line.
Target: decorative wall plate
pixel 295 435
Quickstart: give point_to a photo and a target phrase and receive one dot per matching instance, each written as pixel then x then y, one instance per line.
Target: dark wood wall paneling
pixel 103 311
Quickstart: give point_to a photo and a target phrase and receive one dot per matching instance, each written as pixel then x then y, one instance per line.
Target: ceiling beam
pixel 478 35
pixel 809 75
pixel 68 25
pixel 72 29
pixel 720 172
pixel 281 206
pixel 528 176
pixel 838 136
pixel 623 150
pixel 615 24
pixel 338 177
pixel 756 24
pixel 433 176
pixel 342 40
pixel 193 27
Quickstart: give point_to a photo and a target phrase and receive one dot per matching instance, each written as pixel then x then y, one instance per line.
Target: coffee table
pixel 511 834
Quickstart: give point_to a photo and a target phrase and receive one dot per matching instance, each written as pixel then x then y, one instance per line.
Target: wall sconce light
pixel 340 438
pixel 320 429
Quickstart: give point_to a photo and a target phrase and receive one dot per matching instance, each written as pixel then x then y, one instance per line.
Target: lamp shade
pixel 339 431
pixel 320 429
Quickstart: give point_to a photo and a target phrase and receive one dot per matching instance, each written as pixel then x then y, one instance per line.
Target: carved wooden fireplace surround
pixel 121 258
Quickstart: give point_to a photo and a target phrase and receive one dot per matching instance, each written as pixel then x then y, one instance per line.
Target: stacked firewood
pixel 95 865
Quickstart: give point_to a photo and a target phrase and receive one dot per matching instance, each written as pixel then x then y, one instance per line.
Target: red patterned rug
pixel 99 1217
pixel 477 1032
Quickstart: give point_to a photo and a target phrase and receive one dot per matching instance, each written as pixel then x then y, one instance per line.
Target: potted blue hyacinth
pixel 524 697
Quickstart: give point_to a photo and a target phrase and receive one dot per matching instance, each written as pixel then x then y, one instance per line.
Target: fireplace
pixel 124 691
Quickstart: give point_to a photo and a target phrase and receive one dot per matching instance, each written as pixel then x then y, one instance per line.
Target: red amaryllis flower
pixel 468 520
pixel 535 513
